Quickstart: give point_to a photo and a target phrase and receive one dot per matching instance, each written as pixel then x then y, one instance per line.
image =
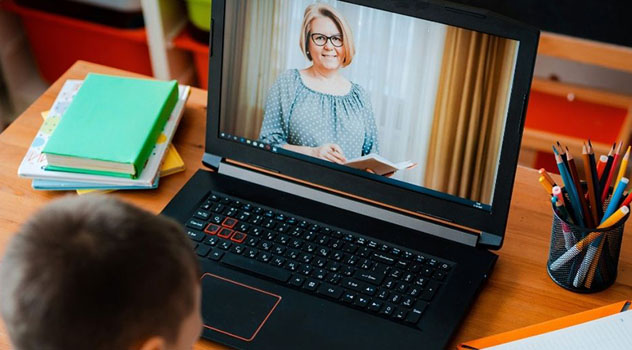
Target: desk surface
pixel 519 292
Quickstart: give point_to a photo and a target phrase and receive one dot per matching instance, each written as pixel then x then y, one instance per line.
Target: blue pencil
pixel 570 188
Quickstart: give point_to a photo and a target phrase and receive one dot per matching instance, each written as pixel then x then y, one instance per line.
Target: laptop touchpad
pixel 234 308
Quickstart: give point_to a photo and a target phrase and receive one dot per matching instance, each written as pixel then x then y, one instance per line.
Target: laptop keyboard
pixel 315 258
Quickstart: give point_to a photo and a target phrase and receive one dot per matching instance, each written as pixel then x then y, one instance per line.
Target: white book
pixel 34 162
pixel 377 164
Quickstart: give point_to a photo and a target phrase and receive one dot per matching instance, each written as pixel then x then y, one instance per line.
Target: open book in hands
pixel 378 164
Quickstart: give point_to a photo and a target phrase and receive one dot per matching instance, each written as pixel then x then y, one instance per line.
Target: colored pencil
pixel 548 177
pixel 570 188
pixel 627 200
pixel 590 172
pixel 616 197
pixel 547 186
pixel 580 191
pixel 623 167
pixel 561 152
pixel 610 169
pixel 596 176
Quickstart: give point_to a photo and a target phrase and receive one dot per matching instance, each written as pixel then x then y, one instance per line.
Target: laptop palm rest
pixel 221 311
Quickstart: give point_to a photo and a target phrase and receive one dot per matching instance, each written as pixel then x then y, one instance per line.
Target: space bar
pixel 257 267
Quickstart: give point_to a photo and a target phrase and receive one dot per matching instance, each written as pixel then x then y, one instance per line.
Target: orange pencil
pixel 548 177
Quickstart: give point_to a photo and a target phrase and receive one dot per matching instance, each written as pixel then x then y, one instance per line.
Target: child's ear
pixel 153 343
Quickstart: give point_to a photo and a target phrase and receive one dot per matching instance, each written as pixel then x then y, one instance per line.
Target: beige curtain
pixel 254 56
pixel 470 112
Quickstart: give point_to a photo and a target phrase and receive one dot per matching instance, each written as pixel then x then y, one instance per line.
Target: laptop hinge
pixel 487 240
pixel 212 161
pixel 342 202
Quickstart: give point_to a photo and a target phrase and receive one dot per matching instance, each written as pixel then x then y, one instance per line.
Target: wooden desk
pixel 519 292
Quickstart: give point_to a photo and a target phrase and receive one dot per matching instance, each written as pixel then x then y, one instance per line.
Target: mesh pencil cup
pixel 581 259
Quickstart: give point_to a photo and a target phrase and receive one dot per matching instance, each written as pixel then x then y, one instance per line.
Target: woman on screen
pixel 316 111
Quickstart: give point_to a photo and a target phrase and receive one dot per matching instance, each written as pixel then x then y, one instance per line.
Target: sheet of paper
pixel 613 332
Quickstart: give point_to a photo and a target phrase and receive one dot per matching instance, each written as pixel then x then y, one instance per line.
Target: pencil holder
pixel 584 260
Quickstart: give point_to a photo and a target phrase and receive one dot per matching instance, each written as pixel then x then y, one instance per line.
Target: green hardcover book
pixel 111 126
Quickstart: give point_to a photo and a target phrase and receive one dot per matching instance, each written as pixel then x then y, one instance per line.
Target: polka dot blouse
pixel 298 115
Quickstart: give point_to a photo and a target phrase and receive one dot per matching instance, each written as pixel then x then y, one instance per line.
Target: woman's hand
pixel 331 152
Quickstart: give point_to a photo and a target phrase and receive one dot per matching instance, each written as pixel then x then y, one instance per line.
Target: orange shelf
pixel 200 52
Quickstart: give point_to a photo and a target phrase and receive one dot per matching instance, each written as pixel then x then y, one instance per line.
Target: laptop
pixel 304 241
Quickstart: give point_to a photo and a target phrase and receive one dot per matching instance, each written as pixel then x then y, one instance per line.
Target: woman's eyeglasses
pixel 321 39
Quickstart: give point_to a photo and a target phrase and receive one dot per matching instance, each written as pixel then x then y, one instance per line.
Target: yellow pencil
pixel 547 186
pixel 623 167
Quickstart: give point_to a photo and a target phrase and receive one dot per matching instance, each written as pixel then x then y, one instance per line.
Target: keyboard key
pixel 202 250
pixel 292 265
pixel 408 301
pixel 439 275
pixel 278 250
pixel 212 229
pixel 330 291
pixel 381 257
pixel 297 280
pixel 334 278
pixel 256 267
pixel 333 266
pixel 264 257
pixel 374 277
pixel 225 233
pixel 202 214
pixel 196 224
pixel 195 236
pixel 305 270
pixel 278 261
pixel 237 249
pixel 374 306
pixel 216 254
pixel 387 310
pixel 319 274
pixel 400 314
pixel 251 253
pixel 429 291
pixel 211 240
pixel 252 241
pixel 229 222
pixel 416 312
pixel 217 218
pixel 311 284
pixel 238 237
pixel 352 284
pixel 225 245
pixel 349 298
pixel 362 301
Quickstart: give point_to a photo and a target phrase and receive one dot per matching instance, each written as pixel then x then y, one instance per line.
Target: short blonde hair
pixel 317 10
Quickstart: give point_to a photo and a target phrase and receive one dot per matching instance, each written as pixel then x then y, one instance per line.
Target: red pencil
pixel 606 187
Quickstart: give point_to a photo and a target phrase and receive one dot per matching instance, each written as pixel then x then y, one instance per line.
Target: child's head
pixel 95 273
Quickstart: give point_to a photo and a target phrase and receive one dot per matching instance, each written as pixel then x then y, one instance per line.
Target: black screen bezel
pixel 488 221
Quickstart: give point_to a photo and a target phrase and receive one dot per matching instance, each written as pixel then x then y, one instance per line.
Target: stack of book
pixel 107 133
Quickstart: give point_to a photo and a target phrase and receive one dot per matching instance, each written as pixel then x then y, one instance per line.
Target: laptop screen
pixel 417 106
pixel 398 99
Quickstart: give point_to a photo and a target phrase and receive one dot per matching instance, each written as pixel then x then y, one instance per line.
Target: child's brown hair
pixel 96 273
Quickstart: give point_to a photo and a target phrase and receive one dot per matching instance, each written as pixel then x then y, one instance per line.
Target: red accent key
pixel 229 222
pixel 225 233
pixel 238 237
pixel 212 229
